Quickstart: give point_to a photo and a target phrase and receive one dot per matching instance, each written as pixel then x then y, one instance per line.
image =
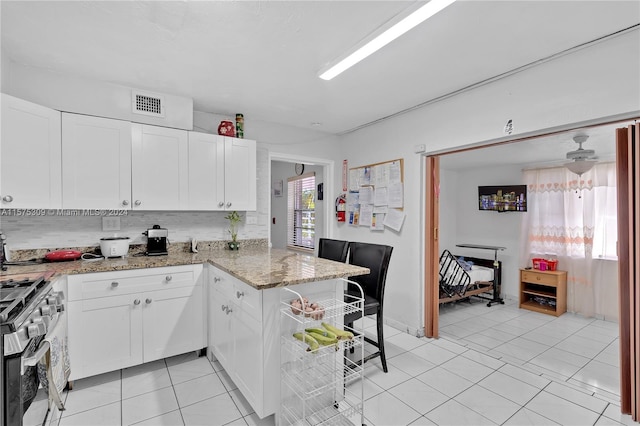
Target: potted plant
pixel 234 218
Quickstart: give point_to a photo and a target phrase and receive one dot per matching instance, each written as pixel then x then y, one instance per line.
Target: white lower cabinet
pixel 121 319
pixel 235 334
pixel 245 337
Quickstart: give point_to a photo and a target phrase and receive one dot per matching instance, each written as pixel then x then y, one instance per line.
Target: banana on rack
pixel 307 338
pixel 323 331
pixel 340 334
pixel 322 339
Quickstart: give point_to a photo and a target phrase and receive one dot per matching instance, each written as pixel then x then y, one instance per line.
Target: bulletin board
pixel 376 196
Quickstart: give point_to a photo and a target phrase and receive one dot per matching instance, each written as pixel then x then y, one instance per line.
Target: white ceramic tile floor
pixel 516 368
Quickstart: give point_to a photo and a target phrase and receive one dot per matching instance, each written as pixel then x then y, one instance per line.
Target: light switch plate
pixel 111 223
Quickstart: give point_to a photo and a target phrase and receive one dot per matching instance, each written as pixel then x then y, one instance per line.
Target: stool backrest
pixel 376 257
pixel 333 249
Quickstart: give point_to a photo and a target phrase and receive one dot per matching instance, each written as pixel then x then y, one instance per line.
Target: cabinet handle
pixel 136 302
pixel 148 301
pixel 168 278
pixel 137 202
pixel 114 284
pixel 239 294
pixel 7 198
pixel 221 203
pixel 229 204
pixel 216 279
pixel 125 202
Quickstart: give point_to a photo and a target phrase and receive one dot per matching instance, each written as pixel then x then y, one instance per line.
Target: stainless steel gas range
pixel 29 308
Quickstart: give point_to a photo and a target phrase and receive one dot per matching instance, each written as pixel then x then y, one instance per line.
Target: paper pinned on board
pixel 366 214
pixel 377 222
pixel 381 197
pixel 395 194
pixel 394 219
pixel 366 195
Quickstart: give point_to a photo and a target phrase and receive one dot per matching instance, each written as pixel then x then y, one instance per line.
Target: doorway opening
pixel 478 328
pixel 284 166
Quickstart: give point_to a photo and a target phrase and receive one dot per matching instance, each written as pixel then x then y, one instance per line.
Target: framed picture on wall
pixel 276 187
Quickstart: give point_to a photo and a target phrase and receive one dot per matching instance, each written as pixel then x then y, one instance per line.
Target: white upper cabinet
pixel 160 162
pixel 240 174
pixel 222 173
pixel 30 164
pixel 96 162
pixel 206 171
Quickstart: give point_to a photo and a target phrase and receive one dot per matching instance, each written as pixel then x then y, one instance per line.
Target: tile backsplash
pixel 57 230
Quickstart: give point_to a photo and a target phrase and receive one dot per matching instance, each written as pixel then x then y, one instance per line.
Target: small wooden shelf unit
pixel 550 285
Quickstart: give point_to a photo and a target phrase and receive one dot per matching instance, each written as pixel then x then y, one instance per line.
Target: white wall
pixel 74 94
pixel 281 170
pixel 583 86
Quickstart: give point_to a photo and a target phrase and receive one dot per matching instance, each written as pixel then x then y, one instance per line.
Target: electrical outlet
pixel 111 223
pixel 252 220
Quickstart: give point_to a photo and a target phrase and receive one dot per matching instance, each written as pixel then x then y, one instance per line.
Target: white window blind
pixel 301 211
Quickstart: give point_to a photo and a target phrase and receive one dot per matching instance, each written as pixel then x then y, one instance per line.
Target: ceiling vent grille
pixel 148 104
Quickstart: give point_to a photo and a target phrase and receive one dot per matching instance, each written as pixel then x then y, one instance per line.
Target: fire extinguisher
pixel 341 208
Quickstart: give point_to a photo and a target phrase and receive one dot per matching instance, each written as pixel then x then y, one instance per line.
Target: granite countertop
pixel 261 268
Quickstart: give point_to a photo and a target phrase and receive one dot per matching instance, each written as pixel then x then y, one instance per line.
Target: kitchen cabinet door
pixel 248 357
pixel 30 160
pixel 96 162
pixel 206 171
pixel 222 173
pixel 105 334
pixel 221 340
pixel 236 335
pixel 240 174
pixel 173 322
pixel 160 161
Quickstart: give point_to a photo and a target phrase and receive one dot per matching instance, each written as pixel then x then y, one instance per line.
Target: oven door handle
pixel 36 357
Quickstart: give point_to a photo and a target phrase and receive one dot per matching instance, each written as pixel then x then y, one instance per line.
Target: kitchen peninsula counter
pixel 261 268
pixel 235 312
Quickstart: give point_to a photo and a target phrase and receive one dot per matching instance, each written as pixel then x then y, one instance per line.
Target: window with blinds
pixel 301 211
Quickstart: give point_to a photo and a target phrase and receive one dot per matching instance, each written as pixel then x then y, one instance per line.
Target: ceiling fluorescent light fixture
pixel 416 18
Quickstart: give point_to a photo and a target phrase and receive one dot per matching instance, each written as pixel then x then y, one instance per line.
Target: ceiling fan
pixel 583 159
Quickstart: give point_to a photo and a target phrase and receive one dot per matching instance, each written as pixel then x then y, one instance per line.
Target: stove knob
pixel 53 300
pixel 48 311
pixel 36 328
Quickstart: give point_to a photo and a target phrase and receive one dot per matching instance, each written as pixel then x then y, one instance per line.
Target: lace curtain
pixel 574 219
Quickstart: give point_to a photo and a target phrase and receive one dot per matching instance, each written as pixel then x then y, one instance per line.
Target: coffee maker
pixel 157 239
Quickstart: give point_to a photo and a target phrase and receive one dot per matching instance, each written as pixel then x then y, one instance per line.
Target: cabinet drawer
pixel 246 298
pixel 90 286
pixel 539 278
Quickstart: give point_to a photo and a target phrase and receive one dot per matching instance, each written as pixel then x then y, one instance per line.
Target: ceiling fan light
pixel 580 166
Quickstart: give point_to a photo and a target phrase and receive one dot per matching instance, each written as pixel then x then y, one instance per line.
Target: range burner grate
pixel 15 295
pixel 11 283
